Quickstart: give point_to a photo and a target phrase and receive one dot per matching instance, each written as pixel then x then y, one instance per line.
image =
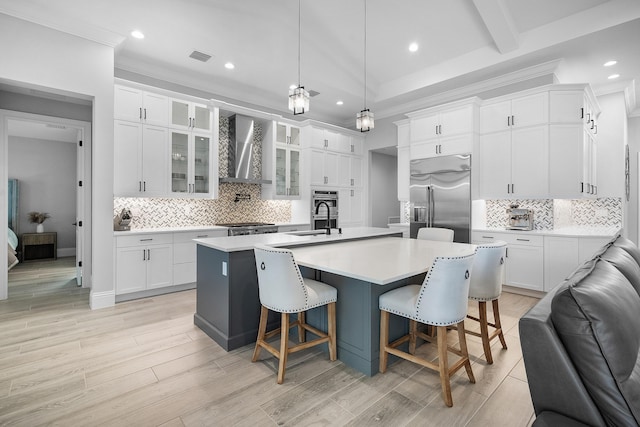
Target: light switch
pixel 224 268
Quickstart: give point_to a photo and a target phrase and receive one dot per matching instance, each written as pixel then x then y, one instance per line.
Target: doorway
pixel 385 207
pixel 50 159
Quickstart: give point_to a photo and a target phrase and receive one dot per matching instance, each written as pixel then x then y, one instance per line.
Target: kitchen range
pixel 246 228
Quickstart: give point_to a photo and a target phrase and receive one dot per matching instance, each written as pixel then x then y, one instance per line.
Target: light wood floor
pixel 144 363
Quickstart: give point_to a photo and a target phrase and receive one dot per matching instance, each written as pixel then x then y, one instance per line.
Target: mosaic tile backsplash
pixel 161 212
pixel 550 214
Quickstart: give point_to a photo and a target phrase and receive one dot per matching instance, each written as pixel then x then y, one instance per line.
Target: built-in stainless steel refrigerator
pixel 440 195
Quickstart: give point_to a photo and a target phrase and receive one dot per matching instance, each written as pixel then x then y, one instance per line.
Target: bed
pixel 12 229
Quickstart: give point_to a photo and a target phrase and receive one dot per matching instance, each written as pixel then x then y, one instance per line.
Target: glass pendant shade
pixel 298 100
pixel 364 121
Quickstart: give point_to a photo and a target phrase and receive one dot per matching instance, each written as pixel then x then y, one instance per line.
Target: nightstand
pixel 39 246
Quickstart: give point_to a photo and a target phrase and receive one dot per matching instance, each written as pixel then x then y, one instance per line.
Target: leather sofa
pixel 581 343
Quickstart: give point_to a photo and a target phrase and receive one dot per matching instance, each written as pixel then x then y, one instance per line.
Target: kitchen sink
pixel 307 233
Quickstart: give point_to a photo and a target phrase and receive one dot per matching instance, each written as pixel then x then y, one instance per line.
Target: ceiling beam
pixel 498 21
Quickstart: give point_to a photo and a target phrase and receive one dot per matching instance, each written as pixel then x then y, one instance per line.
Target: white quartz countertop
pixel 379 261
pixel 561 232
pixel 168 230
pixel 243 243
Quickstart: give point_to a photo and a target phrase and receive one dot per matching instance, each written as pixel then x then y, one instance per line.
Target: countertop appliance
pixel 245 228
pixel 122 221
pixel 320 218
pixel 440 195
pixel 519 219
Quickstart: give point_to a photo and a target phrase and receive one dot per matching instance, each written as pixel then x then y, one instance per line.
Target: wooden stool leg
pixel 384 339
pixel 496 321
pixel 484 331
pixel 284 346
pixel 262 328
pixel 331 326
pixel 462 338
pixel 302 336
pixel 443 363
pixel 413 331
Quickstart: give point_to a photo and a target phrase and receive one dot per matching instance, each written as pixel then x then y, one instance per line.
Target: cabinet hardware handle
pixel 588 117
pixel 487 237
pixel 351 193
pixel 593 123
pixel 582 187
pixel 148 254
pixel 582 113
pixel 596 187
pixel 145 114
pixel 508 189
pixel 353 150
pixel 436 129
pixel 506 252
pixel 513 120
pixel 513 191
pixel 352 182
pixel 144 185
pixel 523 240
pixel 326 180
pixel 144 255
pixel 440 129
pixel 202 236
pixel 139 185
pixel 508 120
pixel 140 112
pixel 146 240
pixel 194 122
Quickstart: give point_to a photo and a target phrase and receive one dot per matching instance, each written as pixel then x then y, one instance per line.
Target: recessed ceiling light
pixel 229 66
pixel 613 76
pixel 610 63
pixel 339 103
pixel 137 34
pixel 413 47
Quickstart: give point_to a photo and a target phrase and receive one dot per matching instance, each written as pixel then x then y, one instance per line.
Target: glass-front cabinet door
pixel 287 172
pixel 202 148
pixel 179 162
pixel 294 173
pixel 189 116
pixel 287 134
pixel 281 171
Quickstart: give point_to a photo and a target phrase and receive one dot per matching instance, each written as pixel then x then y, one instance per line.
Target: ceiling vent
pixel 203 57
pixel 313 93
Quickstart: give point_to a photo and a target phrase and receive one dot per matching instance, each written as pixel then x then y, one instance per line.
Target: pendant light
pixel 298 97
pixel 364 119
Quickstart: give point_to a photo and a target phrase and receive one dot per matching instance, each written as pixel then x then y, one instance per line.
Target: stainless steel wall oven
pixel 320 200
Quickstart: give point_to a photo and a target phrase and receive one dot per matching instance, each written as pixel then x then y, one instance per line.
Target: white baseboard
pixel 66 252
pixel 99 300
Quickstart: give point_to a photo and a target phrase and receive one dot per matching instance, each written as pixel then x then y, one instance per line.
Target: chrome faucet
pixel 328 227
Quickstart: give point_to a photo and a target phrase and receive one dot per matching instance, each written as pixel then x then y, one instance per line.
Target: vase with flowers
pixel 38 218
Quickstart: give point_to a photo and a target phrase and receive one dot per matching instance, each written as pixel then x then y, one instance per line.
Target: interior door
pixel 80 194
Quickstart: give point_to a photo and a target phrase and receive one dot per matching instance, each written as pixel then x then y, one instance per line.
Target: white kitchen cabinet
pixel 525 258
pixel 562 255
pixel 514 113
pixel 404 174
pixel 141 160
pixel 139 106
pixel 184 253
pixel 514 163
pixel 572 162
pixel 287 172
pixel 443 121
pixel 192 162
pixel 188 115
pixel 143 262
pixel 324 168
pixel 287 134
pixel 460 144
pixel 324 139
pixel 349 171
pixel 351 211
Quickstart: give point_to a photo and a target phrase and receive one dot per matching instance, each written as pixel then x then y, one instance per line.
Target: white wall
pixel 611 138
pixel 47 174
pixel 39 57
pixel 384 189
pixel 632 209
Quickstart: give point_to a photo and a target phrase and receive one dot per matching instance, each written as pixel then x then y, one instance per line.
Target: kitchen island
pixel 361 263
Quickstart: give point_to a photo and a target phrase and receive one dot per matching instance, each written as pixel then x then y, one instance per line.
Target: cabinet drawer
pixel 144 240
pixel 510 238
pixel 188 236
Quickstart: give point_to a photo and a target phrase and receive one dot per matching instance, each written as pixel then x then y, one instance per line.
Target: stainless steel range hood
pixel 240 160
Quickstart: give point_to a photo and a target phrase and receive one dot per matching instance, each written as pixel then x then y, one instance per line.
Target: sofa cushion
pixel 596 317
pixel 628 246
pixel 625 263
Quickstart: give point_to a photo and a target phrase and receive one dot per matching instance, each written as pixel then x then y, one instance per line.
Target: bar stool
pixel 435 233
pixel 441 301
pixel 486 285
pixel 283 289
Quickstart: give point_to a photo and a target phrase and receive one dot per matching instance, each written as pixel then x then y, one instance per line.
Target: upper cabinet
pixel 164 146
pixel 187 115
pixel 444 130
pixel 519 112
pixel 281 161
pixel 136 105
pixel 573 145
pixel 287 134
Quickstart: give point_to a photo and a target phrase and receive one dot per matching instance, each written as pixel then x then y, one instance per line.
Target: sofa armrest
pixel 553 419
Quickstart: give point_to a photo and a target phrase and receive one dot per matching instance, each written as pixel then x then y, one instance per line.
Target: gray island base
pixel 228 305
